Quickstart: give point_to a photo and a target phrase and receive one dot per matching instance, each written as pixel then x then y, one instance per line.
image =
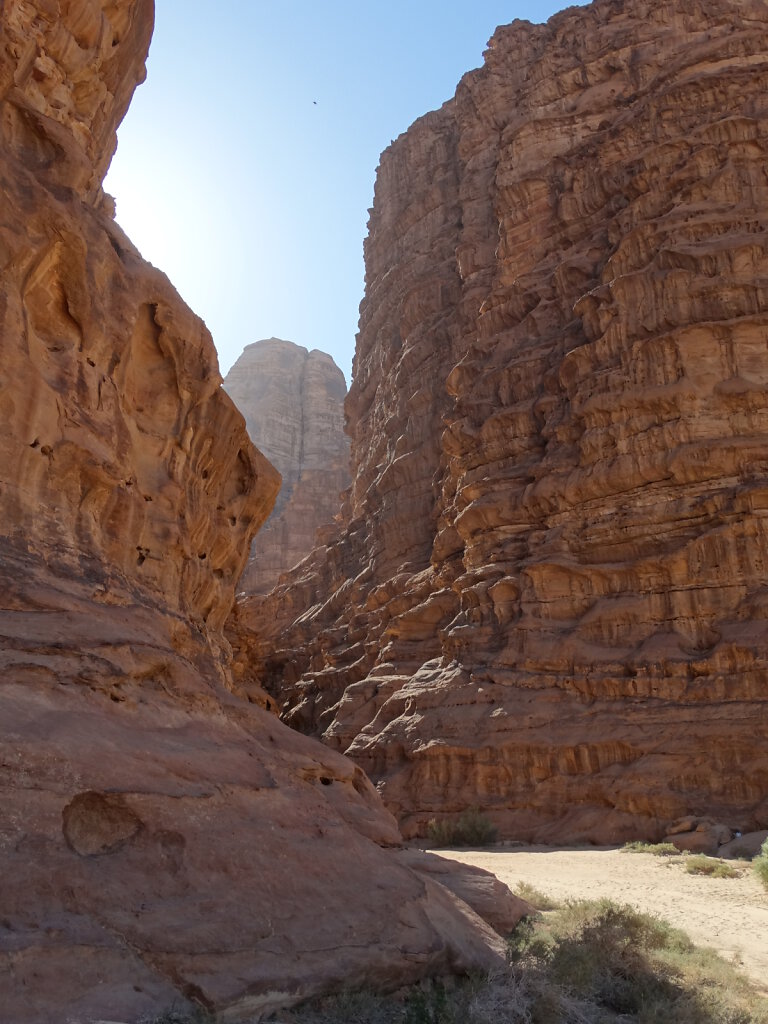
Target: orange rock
pixel 293 403
pixel 548 596
pixel 483 891
pixel 163 839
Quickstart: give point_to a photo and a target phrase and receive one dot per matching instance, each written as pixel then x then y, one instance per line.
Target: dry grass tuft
pixel 657 849
pixel 760 865
pixel 538 899
pixel 699 864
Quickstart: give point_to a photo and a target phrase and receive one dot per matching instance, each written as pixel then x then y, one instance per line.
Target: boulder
pixel 483 891
pixel 746 844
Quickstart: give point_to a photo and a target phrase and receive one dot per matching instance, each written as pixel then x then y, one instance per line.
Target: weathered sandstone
pixel 293 403
pixel 483 891
pixel 699 836
pixel 162 838
pixel 550 591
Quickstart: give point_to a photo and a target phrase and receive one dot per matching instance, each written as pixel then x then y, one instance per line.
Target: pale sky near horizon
pixel 245 165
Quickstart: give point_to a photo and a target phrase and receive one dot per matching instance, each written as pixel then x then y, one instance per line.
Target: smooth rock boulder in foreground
pixel 293 403
pixel 161 839
pixel 549 597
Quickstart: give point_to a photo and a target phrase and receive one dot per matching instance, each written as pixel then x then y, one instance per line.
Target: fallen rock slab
pixel 484 892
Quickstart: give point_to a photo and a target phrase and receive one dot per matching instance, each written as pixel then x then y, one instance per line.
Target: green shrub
pixel 657 849
pixel 699 864
pixel 471 828
pixel 608 963
pixel 538 899
pixel 760 864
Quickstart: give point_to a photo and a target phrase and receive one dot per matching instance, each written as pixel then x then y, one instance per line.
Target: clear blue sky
pixel 246 163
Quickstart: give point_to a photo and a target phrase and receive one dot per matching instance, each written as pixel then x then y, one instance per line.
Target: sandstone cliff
pixel 550 592
pixel 161 838
pixel 293 404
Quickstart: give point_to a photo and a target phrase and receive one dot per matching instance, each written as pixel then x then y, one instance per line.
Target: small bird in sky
pixel 315 102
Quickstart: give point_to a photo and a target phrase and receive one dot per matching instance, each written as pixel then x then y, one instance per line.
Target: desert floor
pixel 728 914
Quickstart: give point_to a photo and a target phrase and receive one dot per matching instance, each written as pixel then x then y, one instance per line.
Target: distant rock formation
pixel 162 839
pixel 549 597
pixel 293 403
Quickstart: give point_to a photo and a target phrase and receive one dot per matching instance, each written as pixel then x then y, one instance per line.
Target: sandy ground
pixel 729 914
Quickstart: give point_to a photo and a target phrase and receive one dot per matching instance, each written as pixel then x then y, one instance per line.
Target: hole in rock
pixel 325 781
pixel 98 823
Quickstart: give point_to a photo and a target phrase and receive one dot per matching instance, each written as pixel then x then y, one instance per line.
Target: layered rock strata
pixel 549 595
pixel 162 839
pixel 293 403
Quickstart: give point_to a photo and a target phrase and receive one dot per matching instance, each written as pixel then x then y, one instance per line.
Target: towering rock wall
pixel 293 403
pixel 550 594
pixel 162 839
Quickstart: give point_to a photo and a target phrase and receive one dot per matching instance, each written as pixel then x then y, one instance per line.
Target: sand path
pixel 728 914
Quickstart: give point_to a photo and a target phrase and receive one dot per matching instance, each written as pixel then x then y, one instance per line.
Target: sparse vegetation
pixel 760 864
pixel 538 899
pixel 699 864
pixel 470 828
pixel 657 849
pixel 586 963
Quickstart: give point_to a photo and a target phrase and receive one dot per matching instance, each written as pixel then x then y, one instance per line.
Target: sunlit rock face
pixel 549 596
pixel 162 839
pixel 293 403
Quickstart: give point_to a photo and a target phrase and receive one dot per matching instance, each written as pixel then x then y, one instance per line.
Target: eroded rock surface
pixel 293 403
pixel 549 596
pixel 162 838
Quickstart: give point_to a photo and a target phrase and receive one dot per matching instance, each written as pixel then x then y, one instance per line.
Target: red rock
pixel 163 839
pixel 293 403
pixel 699 835
pixel 483 891
pixel 748 845
pixel 548 596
